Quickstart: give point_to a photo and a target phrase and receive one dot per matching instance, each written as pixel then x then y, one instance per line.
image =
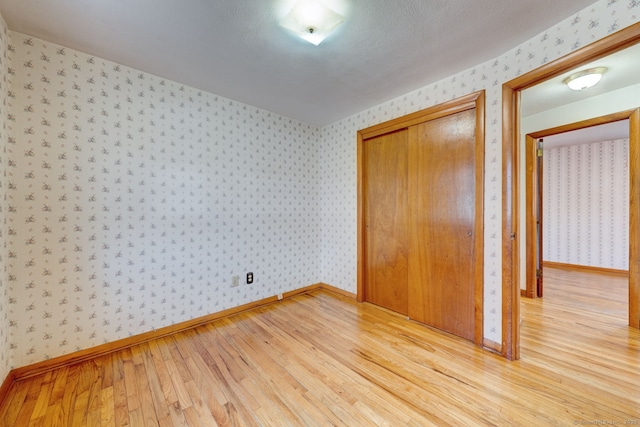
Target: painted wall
pixel 596 106
pixel 5 342
pixel 134 200
pixel 338 198
pixel 586 204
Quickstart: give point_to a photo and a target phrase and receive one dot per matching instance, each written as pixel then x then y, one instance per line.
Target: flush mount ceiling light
pixel 311 20
pixel 585 79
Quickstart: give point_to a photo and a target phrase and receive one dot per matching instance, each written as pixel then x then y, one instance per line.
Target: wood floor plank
pixel 146 397
pixel 277 384
pixel 44 396
pixel 54 416
pixel 13 403
pixel 322 359
pixel 176 417
pixel 204 375
pixel 192 418
pixel 80 405
pixel 136 417
pixel 120 404
pixel 118 366
pixel 226 376
pixel 130 380
pixel 177 359
pixel 164 379
pixel 182 394
pixel 317 375
pixel 107 407
pixel 59 386
pixel 95 368
pixel 160 403
pixel 199 398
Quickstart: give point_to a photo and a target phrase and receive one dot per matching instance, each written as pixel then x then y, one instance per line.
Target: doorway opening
pixel 513 175
pixel 577 211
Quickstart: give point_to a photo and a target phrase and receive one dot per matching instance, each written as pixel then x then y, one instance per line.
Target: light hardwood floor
pixel 322 359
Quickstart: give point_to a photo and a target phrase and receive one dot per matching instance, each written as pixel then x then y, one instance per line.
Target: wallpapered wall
pixel 586 204
pixel 5 359
pixel 134 200
pixel 338 198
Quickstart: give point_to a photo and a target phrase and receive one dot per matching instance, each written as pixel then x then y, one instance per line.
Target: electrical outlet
pixel 249 278
pixel 235 281
pixel 279 297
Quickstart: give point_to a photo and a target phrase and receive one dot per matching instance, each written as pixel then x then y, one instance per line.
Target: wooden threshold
pixel 111 347
pixel 492 346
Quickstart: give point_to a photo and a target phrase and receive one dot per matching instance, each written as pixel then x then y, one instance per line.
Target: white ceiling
pixel 622 71
pixel 600 133
pixel 235 48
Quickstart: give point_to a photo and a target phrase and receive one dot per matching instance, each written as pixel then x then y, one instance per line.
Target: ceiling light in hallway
pixel 585 79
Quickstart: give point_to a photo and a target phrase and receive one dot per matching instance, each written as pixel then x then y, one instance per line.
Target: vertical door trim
pixel 531 212
pixel 479 220
pixel 539 168
pixel 474 100
pixel 360 219
pixel 634 219
pixel 510 143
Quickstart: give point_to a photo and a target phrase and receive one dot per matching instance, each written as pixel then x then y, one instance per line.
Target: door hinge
pixel 538 273
pixel 513 236
pixel 540 147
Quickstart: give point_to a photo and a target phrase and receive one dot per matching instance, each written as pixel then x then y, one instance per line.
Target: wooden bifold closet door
pixel 421 222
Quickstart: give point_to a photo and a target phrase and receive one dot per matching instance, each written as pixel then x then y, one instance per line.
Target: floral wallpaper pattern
pixel 5 346
pixel 338 198
pixel 133 200
pixel 586 204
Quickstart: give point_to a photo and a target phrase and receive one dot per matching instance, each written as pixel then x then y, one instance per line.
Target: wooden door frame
pixel 511 178
pixel 474 100
pixel 533 198
pixel 539 218
pixel 532 178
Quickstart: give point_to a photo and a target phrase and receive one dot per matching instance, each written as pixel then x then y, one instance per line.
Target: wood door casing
pixel 531 212
pixel 539 218
pixel 386 221
pixel 442 192
pixel 533 182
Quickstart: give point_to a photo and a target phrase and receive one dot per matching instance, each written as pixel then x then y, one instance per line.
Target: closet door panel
pixel 386 216
pixel 441 194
